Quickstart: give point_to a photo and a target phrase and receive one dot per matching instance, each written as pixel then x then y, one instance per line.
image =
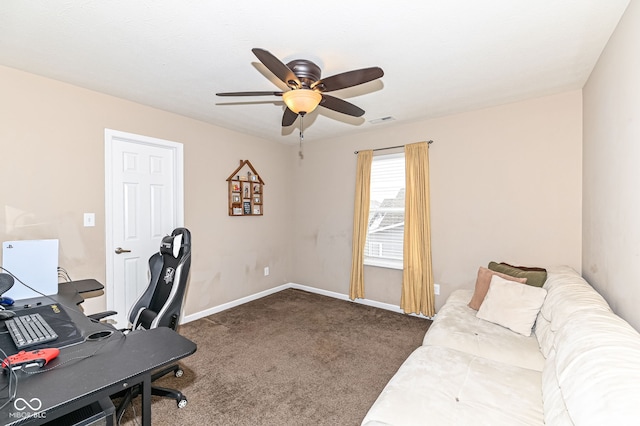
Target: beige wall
pixel 505 186
pixel 52 151
pixel 611 234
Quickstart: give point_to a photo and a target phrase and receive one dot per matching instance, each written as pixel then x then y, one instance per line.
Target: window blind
pixel 385 233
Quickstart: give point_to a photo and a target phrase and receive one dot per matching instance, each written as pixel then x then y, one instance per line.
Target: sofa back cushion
pixel 592 372
pixel 543 333
pixel 567 294
pixel 597 367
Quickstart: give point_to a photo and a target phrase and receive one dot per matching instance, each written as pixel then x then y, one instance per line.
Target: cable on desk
pixel 62 273
pixel 13 377
pixel 77 358
pixel 37 291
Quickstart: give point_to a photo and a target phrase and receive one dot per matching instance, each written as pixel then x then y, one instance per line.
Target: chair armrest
pixel 101 315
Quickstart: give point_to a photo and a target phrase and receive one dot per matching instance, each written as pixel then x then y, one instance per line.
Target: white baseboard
pixel 192 317
pixel 341 296
pixel 387 306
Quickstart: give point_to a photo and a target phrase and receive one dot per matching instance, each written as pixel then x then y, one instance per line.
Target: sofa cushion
pixel 482 285
pixel 544 334
pixel 535 278
pixel 526 268
pixel 512 305
pixel 442 386
pixel 597 360
pixel 568 292
pixel 457 327
pixel 555 410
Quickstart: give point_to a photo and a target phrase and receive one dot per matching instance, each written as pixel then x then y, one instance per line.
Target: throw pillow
pixel 512 305
pixel 525 268
pixel 534 278
pixel 482 285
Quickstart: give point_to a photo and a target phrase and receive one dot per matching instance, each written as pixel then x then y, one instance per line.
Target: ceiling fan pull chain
pixel 301 136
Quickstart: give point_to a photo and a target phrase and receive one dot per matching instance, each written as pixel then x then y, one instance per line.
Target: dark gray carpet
pixel 291 358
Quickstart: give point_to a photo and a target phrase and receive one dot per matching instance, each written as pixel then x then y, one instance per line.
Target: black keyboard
pixel 29 330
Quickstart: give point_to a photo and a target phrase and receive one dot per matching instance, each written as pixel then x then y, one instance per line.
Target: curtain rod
pixel 390 147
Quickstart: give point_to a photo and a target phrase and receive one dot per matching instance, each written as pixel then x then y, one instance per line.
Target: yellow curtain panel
pixel 417 274
pixel 360 223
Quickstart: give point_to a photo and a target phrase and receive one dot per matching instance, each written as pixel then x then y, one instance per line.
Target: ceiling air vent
pixel 381 120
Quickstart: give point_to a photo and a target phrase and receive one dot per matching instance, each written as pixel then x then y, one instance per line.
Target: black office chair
pixel 160 305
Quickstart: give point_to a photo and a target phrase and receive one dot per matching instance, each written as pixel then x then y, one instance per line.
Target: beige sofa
pixel 580 366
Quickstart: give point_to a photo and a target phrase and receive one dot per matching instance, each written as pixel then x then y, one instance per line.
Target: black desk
pixel 92 370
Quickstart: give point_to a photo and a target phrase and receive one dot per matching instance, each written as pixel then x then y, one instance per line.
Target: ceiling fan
pixel 308 90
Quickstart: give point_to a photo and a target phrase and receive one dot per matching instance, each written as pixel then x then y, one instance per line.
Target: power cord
pixel 62 273
pixel 135 415
pixel 37 291
pixel 13 379
pixel 71 359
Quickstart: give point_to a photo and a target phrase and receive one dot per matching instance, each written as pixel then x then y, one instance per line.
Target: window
pixel 385 234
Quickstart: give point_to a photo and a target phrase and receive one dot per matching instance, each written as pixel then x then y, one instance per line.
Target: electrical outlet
pixel 436 289
pixel 266 271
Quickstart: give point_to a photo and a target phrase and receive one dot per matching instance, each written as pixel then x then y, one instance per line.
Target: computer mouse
pixel 6 301
pixel 6 315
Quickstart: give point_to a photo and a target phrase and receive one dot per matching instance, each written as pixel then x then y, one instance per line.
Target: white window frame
pixel 380 260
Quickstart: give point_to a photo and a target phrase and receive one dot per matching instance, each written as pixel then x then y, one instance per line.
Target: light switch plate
pixel 89 219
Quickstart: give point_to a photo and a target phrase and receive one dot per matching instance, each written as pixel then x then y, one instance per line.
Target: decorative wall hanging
pixel 245 191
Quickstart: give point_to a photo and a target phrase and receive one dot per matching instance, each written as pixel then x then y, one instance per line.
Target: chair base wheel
pixel 182 403
pixel 179 373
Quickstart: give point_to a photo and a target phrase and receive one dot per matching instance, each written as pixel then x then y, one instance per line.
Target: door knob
pixel 120 250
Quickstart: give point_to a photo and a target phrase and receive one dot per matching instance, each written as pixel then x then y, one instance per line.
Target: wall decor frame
pixel 246 191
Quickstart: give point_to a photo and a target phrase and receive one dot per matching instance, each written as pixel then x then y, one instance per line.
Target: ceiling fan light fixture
pixel 301 101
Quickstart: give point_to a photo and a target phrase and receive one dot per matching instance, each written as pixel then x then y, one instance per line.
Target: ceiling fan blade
pixel 348 79
pixel 288 118
pixel 250 94
pixel 278 68
pixel 340 105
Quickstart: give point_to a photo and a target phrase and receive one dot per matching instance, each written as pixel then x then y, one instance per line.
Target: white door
pixel 144 202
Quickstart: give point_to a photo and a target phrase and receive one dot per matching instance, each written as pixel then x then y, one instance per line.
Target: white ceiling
pixel 439 57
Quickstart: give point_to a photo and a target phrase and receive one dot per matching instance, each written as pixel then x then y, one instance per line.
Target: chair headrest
pixel 171 245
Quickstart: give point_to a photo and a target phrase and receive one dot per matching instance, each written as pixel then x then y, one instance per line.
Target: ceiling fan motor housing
pixel 306 71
